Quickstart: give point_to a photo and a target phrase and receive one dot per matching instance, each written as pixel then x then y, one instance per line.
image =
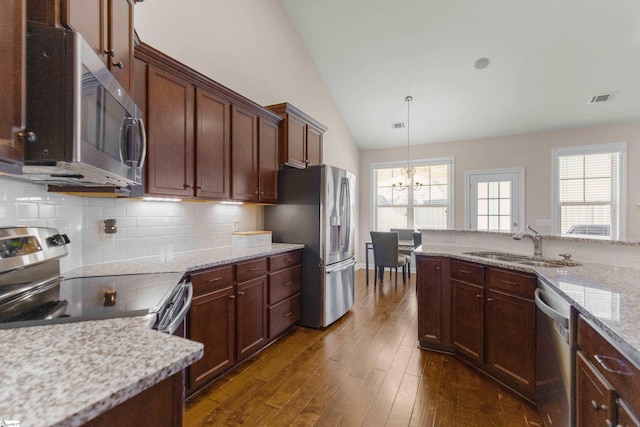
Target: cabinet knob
pixel 240 293
pixel 490 299
pixel 185 186
pixel 118 64
pixel 198 187
pixel 111 53
pixel 597 407
pixel 232 297
pixel 608 423
pixel 478 296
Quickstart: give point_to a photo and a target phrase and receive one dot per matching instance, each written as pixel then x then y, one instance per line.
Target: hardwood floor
pixel 364 370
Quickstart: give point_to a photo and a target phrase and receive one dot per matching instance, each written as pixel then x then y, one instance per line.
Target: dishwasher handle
pixel 546 309
pixel 170 321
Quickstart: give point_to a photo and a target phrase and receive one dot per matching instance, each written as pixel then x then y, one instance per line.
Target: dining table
pixel 403 245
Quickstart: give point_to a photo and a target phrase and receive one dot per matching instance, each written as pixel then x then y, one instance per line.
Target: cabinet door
pixel 468 319
pixel 433 303
pixel 594 396
pixel 268 162
pixel 120 41
pixel 244 140
pixel 626 417
pixel 296 139
pixel 213 146
pixel 251 316
pixel 314 146
pixel 212 322
pixel 170 149
pixel 510 331
pixel 89 18
pixel 12 84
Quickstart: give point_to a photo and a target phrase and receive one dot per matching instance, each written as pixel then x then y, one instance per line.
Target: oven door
pixel 174 310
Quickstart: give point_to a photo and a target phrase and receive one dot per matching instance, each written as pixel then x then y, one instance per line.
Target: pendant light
pixel 408 177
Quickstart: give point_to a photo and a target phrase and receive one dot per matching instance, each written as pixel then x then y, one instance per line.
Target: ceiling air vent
pixel 397 125
pixel 604 97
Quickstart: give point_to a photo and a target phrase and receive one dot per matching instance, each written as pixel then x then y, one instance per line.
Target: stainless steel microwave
pixel 86 129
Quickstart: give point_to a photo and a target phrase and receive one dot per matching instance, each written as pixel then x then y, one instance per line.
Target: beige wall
pixel 253 48
pixel 530 151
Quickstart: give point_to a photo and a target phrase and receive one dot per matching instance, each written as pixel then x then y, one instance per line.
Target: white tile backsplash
pixel 144 228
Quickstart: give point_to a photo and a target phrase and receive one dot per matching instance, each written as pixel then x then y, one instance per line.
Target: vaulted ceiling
pixel 547 59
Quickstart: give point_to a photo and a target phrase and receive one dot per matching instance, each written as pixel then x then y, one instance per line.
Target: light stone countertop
pixel 181 261
pixel 67 374
pixel 608 296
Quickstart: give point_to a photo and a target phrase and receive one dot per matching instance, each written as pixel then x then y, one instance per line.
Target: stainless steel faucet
pixel 536 238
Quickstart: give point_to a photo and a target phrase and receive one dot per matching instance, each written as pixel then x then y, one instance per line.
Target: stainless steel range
pixel 32 292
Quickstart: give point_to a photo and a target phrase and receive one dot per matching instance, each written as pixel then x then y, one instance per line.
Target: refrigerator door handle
pixel 340 266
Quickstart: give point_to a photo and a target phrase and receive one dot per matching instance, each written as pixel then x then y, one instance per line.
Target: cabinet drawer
pixel 615 367
pixel 285 260
pixel 251 269
pixel 467 272
pixel 283 284
pixel 210 280
pixel 523 285
pixel 283 315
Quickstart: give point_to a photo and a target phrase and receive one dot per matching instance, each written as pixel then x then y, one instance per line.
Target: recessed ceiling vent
pixel 603 97
pixel 397 125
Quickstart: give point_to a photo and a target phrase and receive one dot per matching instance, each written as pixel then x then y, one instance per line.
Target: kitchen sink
pixel 523 259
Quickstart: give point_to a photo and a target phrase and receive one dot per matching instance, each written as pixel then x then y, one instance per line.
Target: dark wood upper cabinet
pixel 12 84
pixel 213 146
pixel 205 141
pixel 300 140
pixel 244 154
pixel 106 25
pixel 170 109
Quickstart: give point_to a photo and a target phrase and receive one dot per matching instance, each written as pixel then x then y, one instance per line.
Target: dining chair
pixel 406 235
pixel 385 254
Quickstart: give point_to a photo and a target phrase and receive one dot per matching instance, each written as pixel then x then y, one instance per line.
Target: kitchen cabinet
pixel 12 85
pixel 467 283
pixel 205 141
pixel 237 309
pixel 161 405
pixel 170 110
pixel 106 25
pixel 485 315
pixel 300 142
pixel 607 383
pixel 285 284
pixel 251 306
pixel 434 303
pixel 211 321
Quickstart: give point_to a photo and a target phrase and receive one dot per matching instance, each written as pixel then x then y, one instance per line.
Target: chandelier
pixel 408 176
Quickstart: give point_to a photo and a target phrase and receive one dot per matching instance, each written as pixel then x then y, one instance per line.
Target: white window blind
pixel 426 207
pixel 588 189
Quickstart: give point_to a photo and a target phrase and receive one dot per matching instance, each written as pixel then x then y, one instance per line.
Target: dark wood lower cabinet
pixel 161 405
pixel 595 402
pixel 484 315
pixel 238 309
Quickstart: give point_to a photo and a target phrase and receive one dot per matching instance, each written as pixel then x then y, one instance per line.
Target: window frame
pixel 416 162
pixel 621 211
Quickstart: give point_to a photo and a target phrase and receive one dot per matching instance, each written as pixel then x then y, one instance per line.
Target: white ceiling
pixel 547 58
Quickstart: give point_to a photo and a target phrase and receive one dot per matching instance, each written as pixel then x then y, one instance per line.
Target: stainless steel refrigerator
pixel 316 207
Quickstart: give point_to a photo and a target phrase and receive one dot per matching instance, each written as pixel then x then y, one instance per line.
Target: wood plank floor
pixel 364 370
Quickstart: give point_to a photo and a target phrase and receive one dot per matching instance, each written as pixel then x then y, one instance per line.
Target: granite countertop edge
pixel 605 277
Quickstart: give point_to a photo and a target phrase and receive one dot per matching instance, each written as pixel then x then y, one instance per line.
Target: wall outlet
pixel 236 225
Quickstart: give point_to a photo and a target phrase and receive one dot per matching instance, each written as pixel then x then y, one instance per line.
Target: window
pixel 430 206
pixel 588 190
pixel 495 199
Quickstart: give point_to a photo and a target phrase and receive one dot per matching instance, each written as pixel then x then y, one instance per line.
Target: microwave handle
pixel 143 137
pixel 129 122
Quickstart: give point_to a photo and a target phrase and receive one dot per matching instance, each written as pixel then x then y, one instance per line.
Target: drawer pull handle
pixel 289 283
pixel 597 407
pixel 241 293
pixel 287 314
pixel 464 271
pixel 602 360
pixel 507 282
pixel 478 296
pixel 287 260
pixel 254 268
pixel 215 279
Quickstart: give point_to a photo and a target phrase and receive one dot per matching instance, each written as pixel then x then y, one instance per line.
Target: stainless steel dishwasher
pixel 555 357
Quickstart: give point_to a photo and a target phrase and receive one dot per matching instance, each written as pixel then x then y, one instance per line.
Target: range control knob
pixel 58 240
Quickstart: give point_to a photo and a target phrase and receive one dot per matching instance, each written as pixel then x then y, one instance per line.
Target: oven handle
pixel 175 321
